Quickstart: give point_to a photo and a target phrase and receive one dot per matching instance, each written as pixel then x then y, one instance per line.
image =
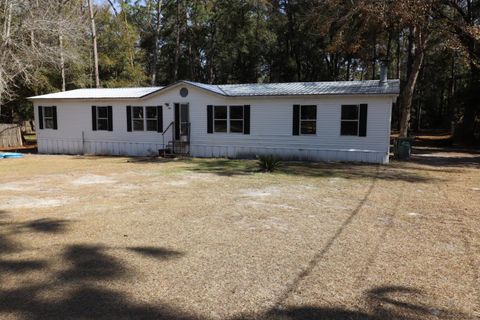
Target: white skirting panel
pixel 119 148
pixel 65 146
pixel 348 155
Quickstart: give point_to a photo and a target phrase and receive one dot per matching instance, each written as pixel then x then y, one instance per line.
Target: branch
pixel 113 7
pixel 453 4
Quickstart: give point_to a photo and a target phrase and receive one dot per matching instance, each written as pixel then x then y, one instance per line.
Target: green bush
pixel 268 163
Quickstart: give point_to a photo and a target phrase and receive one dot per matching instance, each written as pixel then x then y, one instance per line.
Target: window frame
pixel 357 120
pixel 215 119
pixel 97 110
pixel 228 119
pixel 45 117
pixel 307 120
pixel 138 119
pixel 150 119
pixel 229 126
pixel 144 118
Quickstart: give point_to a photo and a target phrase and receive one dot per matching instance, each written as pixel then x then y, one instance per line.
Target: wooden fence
pixel 10 135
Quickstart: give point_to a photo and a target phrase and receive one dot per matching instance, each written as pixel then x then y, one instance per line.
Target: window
pixel 48 118
pixel 350 120
pixel 102 118
pixel 151 118
pixel 137 118
pixel 236 119
pixel 308 119
pixel 141 118
pixel 220 118
pixel 232 119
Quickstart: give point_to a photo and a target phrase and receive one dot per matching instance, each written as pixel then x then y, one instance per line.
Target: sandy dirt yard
pixel 120 238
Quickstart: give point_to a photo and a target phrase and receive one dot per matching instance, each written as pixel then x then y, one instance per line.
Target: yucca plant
pixel 268 163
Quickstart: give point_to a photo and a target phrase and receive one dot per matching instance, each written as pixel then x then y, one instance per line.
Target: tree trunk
pixel 374 60
pixel 3 47
pixel 123 13
pixel 8 22
pixel 94 43
pixel 399 57
pixel 409 88
pixel 349 65
pixel 158 25
pixel 177 44
pixel 465 132
pixel 62 61
pixel 451 97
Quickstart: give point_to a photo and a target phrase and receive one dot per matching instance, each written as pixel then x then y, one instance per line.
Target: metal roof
pixel 101 93
pixel 369 87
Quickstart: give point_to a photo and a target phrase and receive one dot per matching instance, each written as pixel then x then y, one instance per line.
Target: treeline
pixel 433 46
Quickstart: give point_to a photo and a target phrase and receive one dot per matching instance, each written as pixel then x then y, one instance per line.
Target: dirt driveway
pixel 119 238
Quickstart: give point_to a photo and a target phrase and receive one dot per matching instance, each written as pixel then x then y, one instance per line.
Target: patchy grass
pixel 112 237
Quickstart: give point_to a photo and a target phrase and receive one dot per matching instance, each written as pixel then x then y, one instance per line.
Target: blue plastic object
pixel 12 155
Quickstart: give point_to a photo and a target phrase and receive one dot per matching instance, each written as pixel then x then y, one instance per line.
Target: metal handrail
pixel 168 127
pixel 163 136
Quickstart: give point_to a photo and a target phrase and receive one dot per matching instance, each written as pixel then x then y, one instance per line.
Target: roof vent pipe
pixel 383 72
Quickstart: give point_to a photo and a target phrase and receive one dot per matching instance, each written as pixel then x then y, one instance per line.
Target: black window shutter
pixel 177 121
pixel 110 118
pixel 246 119
pixel 129 118
pixel 40 117
pixel 296 120
pixel 54 115
pixel 362 130
pixel 209 119
pixel 159 119
pixel 94 118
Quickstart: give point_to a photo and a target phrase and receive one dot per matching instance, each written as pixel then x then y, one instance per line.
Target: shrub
pixel 268 163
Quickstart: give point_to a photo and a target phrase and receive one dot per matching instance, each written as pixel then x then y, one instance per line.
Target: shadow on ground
pixel 230 167
pixel 226 167
pixel 82 295
pixel 78 291
pixel 428 159
pixel 446 157
pixel 47 225
pixel 159 253
pixel 382 303
pixel 446 161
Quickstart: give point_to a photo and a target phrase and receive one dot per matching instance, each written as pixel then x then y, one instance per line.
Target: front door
pixel 182 121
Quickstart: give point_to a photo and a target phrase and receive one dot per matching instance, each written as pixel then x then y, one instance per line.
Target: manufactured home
pixel 333 121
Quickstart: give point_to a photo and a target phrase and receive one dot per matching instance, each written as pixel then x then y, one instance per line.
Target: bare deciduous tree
pixel 94 43
pixel 37 33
